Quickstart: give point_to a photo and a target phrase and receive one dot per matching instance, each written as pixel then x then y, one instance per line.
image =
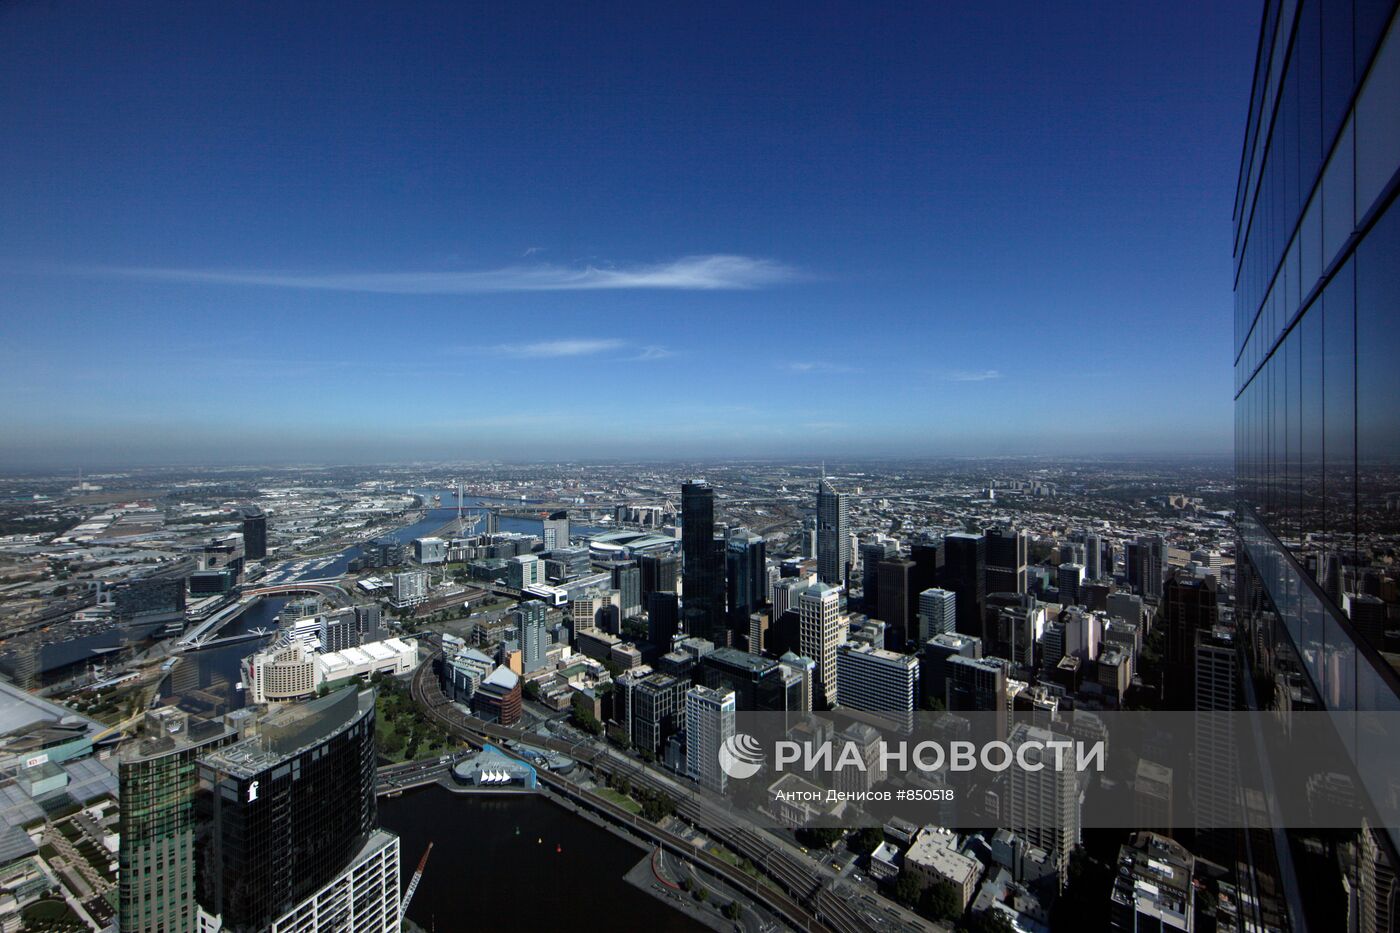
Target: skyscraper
pixel 254 534
pixel 937 613
pixel 1146 564
pixel 158 781
pixel 1317 391
pixel 627 580
pixel 878 681
pixel 534 636
pixel 964 572
pixel 702 601
pixel 833 535
pixel 663 618
pixel 287 811
pixel 1043 802
pixel 660 572
pixel 746 575
pixel 556 530
pixel 1006 560
pixel 821 631
pixel 709 721
pixel 898 600
pixel 871 554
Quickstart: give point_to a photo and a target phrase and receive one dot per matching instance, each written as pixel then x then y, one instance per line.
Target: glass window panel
pixel 1311 517
pixel 1378 125
pixel 1378 421
pixel 1338 197
pixel 1371 17
pixel 1307 51
pixel 1339 425
pixel 1337 80
pixel 1310 245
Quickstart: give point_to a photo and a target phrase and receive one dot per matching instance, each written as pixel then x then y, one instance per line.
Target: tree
pixel 908 888
pixel 732 910
pixel 990 920
pixel 820 837
pixel 941 902
pixel 866 840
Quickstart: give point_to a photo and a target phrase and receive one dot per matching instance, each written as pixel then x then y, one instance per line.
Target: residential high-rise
pixel 702 597
pixel 254 534
pixel 530 620
pixel 158 780
pixel 1006 560
pixel 555 530
pixel 833 535
pixel 898 600
pixel 287 811
pixel 746 573
pixel 709 722
pixel 877 681
pixel 821 631
pixel 937 613
pixel 965 573
pixel 1093 557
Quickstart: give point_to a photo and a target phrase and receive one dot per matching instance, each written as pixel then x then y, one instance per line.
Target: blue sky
pixel 267 231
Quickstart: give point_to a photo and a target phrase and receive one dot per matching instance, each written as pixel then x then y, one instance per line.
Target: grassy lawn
pixel 626 803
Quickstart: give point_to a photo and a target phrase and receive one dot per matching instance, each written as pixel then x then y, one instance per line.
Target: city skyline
pixel 444 226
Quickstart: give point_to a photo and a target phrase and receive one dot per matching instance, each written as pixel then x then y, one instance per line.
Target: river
pixel 495 866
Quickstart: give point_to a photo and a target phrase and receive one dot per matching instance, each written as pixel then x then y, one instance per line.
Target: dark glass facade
pixel 1317 391
pixel 702 601
pixel 284 812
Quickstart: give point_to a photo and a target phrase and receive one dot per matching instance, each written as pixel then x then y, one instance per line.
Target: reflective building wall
pixel 1317 382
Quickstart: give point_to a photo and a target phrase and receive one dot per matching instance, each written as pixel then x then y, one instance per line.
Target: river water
pixel 521 863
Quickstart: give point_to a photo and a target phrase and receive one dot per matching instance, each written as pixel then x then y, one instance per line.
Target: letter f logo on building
pixel 252 791
pixel 740 756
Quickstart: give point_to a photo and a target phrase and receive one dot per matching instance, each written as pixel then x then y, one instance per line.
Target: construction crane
pixel 413 884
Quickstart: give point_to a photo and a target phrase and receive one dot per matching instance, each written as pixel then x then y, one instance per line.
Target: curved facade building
pixel 285 811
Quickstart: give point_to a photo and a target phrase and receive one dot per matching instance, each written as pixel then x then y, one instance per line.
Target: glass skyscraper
pixel 1317 390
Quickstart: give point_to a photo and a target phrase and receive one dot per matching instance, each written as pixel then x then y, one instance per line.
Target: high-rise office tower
pixel 1317 391
pixel 254 534
pixel 627 580
pixel 1071 582
pixel 977 685
pixel 291 810
pixel 709 722
pixel 158 781
pixel 927 554
pixel 663 618
pixel 1215 793
pixel 898 600
pixel 660 572
pixel 702 599
pixel 556 530
pixel 1093 557
pixel 821 631
pixel 937 613
pixel 757 682
pixel 1190 605
pixel 933 667
pixel 1146 564
pixel 746 575
pixel 1155 886
pixel 833 535
pixel 877 681
pixel 965 573
pixel 871 554
pixel 1006 560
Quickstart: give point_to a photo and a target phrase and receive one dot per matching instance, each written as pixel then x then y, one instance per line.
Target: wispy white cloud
pixel 971 375
pixel 555 348
pixel 696 273
pixel 584 346
pixel 819 366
